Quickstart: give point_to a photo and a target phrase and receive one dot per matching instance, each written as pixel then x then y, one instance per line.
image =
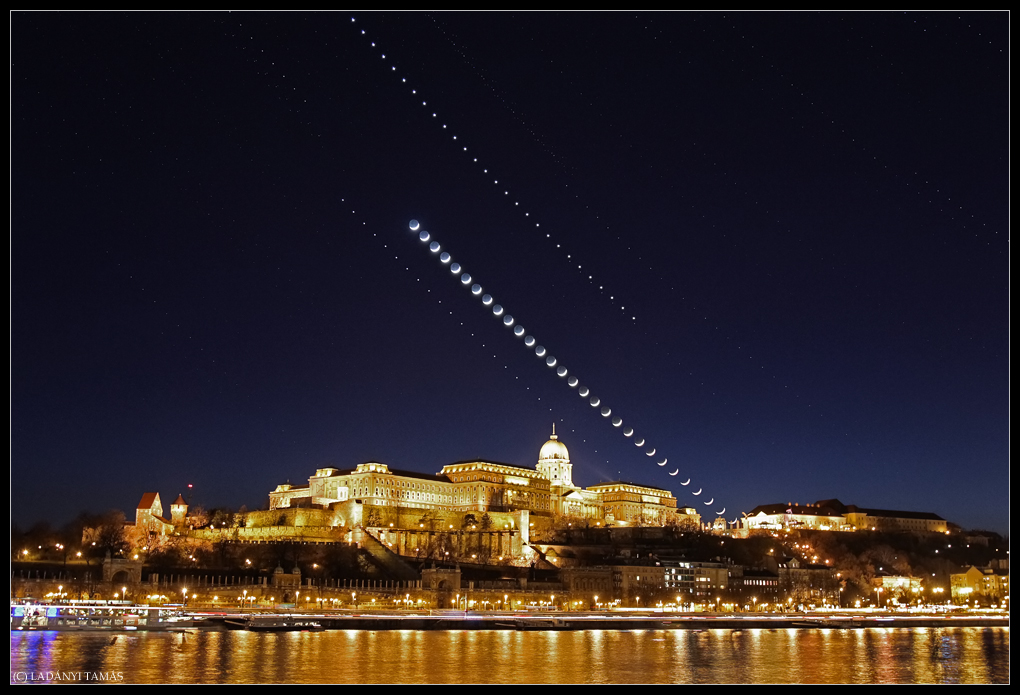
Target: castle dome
pixel 553 449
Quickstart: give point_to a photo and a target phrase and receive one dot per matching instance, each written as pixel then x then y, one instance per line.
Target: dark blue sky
pixel 774 244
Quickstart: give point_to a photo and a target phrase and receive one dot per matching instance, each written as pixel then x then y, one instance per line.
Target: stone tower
pixel 179 511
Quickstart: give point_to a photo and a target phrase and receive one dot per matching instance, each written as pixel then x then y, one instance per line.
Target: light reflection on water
pixel 880 655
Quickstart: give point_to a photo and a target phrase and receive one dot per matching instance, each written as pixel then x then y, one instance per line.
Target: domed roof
pixel 553 449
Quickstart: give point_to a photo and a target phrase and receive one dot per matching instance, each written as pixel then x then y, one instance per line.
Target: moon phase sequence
pixel 530 342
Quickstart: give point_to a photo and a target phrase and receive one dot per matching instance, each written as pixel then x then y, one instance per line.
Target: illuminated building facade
pixel 695 582
pixel 149 516
pixel 833 515
pixel 149 512
pixel 622 500
pixel 890 520
pixel 628 583
pixel 796 516
pixel 149 520
pixel 483 486
pixel 982 585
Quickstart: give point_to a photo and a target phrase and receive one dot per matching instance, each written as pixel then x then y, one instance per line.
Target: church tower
pixel 554 461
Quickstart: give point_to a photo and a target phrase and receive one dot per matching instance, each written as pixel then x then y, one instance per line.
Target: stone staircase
pixel 388 561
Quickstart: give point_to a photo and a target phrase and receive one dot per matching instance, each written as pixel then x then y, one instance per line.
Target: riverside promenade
pixel 613 620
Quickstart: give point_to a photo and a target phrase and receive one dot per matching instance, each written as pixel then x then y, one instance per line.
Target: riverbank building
pixel 486 486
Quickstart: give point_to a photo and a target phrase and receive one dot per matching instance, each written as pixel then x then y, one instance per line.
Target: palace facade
pixel 484 486
pixel 833 515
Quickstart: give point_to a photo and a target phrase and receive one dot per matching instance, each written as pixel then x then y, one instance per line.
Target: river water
pixel 874 655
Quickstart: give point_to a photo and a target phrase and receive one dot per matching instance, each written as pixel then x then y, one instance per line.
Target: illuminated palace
pixel 484 486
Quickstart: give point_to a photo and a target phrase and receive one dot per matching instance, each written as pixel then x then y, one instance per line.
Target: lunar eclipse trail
pixel 530 342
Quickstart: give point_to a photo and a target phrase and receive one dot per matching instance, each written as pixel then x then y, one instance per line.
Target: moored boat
pixel 276 623
pixel 96 616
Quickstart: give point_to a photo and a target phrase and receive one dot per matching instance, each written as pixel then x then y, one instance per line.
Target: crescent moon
pixel 662 463
pixel 640 442
pixel 709 502
pixel 675 472
pixel 734 521
pixel 722 512
pixel 686 482
pixel 664 459
pixel 698 492
pixel 650 453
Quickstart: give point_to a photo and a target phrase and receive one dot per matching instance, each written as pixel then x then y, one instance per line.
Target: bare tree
pixel 107 535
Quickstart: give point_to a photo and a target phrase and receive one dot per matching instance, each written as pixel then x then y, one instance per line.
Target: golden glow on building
pixel 483 486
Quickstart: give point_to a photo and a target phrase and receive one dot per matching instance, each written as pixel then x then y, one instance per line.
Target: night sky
pixel 776 245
